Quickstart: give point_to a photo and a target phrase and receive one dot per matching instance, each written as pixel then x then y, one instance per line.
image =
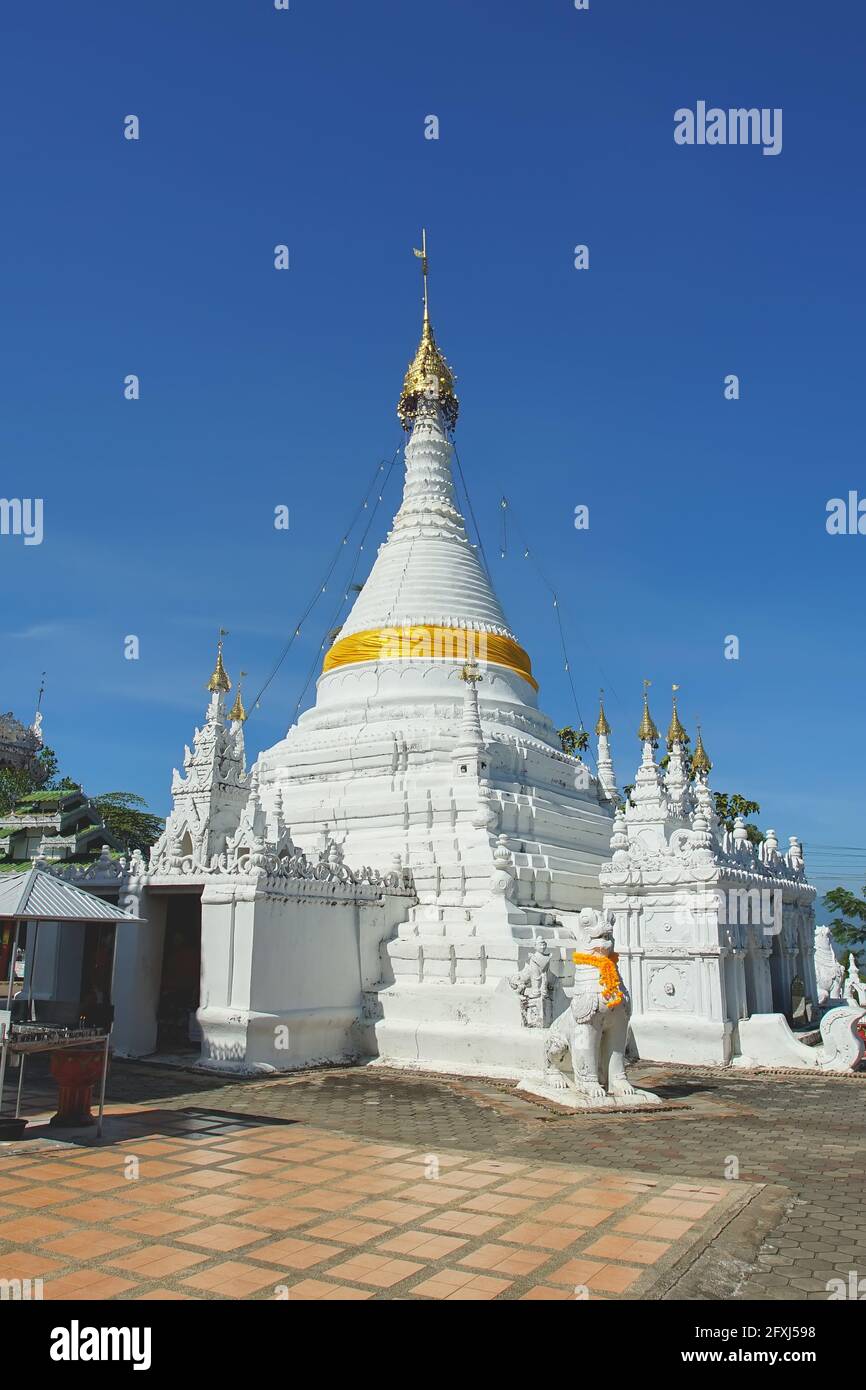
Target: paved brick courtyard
pixel 364 1184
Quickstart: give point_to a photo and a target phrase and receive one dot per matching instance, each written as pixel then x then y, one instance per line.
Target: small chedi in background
pixel 58 824
pixel 48 817
pixel 20 746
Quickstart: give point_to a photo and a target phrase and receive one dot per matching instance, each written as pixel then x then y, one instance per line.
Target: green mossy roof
pixel 18 866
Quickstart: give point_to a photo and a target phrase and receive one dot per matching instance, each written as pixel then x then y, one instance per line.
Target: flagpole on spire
pixel 429 377
pixel 422 255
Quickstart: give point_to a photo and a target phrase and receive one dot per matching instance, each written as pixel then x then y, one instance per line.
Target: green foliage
pixel 573 741
pixel 15 783
pixel 126 816
pixel 124 813
pixel 729 806
pixel 849 928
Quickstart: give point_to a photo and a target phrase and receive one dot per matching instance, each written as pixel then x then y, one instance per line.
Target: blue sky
pixel 601 387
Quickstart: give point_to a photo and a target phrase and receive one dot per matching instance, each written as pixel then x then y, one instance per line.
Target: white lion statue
pixel 585 1050
pixel 829 972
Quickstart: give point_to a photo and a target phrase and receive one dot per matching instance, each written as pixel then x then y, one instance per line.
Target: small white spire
pixel 469 752
pixel 604 760
pixel 471 740
pixel 677 781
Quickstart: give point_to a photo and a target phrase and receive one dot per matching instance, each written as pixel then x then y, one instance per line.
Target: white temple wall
pixel 137 976
pixel 693 976
pixel 284 975
pixel 670 958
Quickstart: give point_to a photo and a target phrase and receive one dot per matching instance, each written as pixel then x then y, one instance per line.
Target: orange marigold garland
pixel 611 984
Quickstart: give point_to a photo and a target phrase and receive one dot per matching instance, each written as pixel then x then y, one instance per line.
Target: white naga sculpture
pixel 585 1048
pixel 842 1046
pixel 829 972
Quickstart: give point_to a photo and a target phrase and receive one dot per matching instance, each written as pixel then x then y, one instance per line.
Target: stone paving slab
pixel 414 1225
pixel 796 1141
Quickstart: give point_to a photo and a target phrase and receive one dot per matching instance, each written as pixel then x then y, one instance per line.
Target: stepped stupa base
pixel 463 1030
pixel 454 1004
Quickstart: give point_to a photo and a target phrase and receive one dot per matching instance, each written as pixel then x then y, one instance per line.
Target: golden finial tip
pixel 676 732
pixel 700 761
pixel 219 680
pixel 602 727
pixel 237 713
pixel 647 733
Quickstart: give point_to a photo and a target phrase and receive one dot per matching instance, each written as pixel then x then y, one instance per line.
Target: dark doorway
pixel 179 991
pixel 781 999
pixel 97 968
pixel 7 940
pixel 751 993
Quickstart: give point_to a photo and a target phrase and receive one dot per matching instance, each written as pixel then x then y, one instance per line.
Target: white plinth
pixel 578 1100
pixel 467 1030
pixel 682 1038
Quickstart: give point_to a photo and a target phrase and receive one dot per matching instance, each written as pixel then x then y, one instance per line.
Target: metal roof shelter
pixel 37 895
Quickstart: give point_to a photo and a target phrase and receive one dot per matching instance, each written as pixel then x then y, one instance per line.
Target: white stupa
pixel 426 742
pixel 407 876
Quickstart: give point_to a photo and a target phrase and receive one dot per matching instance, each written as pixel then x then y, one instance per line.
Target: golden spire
pixel 428 376
pixel 647 733
pixel 676 732
pixel 237 713
pixel 219 680
pixel 700 762
pixel 602 726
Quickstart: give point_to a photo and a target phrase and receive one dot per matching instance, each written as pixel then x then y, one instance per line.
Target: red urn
pixel 76 1072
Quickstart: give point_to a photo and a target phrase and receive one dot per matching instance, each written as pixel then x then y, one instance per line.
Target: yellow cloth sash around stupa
pixel 428 643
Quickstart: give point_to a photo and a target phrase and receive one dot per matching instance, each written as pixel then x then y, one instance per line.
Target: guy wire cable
pixel 471 509
pixel 528 555
pixel 324 584
pixel 347 587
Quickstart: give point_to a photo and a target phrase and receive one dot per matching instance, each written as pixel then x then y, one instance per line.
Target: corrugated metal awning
pixel 39 896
